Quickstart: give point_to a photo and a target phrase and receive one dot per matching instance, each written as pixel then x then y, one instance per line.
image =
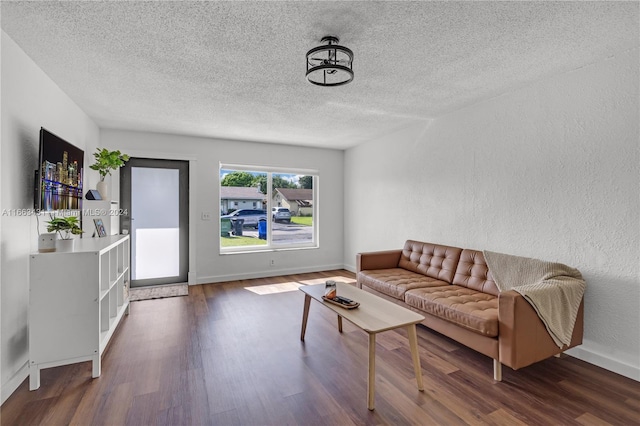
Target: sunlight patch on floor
pixel 337 278
pixel 274 288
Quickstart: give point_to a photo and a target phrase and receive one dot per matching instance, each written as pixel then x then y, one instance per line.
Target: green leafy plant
pixel 64 226
pixel 106 161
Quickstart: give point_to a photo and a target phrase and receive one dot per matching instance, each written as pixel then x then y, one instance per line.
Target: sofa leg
pixel 497 370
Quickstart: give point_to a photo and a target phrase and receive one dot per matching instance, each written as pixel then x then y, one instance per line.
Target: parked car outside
pixel 280 214
pixel 251 216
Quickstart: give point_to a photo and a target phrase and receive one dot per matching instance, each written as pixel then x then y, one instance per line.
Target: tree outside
pixel 277 182
pixel 239 178
pixel 306 182
pixel 246 179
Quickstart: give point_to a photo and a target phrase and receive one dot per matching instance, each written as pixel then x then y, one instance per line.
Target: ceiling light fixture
pixel 331 64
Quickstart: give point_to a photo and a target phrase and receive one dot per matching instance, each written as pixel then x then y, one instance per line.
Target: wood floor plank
pixel 230 354
pixel 503 418
pixel 634 403
pixel 609 408
pixel 117 405
pixel 441 414
pixel 589 419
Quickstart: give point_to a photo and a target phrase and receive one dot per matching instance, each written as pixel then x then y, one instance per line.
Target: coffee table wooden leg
pixel 339 323
pixel 305 315
pixel 413 344
pixel 371 381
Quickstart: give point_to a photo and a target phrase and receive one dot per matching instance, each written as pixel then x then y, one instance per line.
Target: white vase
pixel 103 189
pixel 64 245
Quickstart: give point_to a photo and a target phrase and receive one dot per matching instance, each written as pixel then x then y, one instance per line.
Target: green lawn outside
pixel 241 241
pixel 302 220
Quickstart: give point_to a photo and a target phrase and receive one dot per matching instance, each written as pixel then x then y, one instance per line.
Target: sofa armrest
pixel 523 337
pixel 378 260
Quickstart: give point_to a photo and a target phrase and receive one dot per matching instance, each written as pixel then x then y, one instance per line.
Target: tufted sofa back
pixel 473 272
pixel 432 260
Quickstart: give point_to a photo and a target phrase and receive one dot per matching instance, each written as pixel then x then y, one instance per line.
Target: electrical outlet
pixel 272 262
pixel 206 215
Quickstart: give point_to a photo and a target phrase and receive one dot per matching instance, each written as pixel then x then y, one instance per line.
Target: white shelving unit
pixel 76 300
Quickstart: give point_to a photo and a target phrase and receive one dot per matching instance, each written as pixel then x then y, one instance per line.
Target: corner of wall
pixel 14 382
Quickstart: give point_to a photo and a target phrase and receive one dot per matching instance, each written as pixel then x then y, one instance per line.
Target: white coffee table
pixel 374 315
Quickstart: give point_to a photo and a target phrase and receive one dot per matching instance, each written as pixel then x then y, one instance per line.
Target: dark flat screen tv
pixel 59 174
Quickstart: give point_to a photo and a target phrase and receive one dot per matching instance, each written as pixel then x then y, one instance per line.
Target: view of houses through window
pixel 266 209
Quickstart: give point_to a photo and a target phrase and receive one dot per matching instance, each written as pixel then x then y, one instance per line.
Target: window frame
pixel 270 171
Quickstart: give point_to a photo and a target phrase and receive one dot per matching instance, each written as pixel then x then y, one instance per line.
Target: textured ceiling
pixel 235 70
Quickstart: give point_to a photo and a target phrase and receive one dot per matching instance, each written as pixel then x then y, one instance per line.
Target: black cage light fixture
pixel 331 64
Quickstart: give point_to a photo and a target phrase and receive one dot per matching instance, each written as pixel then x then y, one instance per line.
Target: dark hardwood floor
pixel 225 355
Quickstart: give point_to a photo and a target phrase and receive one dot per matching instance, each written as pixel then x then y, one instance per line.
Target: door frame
pixel 155 155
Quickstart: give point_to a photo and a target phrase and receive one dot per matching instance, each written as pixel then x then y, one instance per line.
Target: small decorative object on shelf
pixel 102 232
pixel 47 242
pixel 93 194
pixel 106 162
pixel 65 227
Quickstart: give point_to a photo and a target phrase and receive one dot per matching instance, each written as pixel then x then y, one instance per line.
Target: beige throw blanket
pixel 553 289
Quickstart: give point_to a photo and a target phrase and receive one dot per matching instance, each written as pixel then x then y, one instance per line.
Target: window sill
pixel 266 250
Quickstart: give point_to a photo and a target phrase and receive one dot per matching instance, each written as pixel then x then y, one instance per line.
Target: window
pixel 278 208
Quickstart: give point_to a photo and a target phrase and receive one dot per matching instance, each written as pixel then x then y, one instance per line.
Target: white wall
pixel 210 265
pixel 550 171
pixel 30 100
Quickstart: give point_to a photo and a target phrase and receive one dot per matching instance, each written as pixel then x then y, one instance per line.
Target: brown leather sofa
pixel 453 288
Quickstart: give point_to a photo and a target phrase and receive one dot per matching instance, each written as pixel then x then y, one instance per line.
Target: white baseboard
pixel 266 273
pixel 350 268
pixel 605 362
pixel 13 383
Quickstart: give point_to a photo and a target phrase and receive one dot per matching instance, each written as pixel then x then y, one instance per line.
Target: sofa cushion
pixel 396 281
pixel 473 272
pixel 468 308
pixel 432 260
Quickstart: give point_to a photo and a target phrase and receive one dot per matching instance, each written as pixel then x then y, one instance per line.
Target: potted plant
pixel 65 227
pixel 105 162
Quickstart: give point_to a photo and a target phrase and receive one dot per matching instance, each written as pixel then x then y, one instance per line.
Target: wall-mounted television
pixel 59 174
